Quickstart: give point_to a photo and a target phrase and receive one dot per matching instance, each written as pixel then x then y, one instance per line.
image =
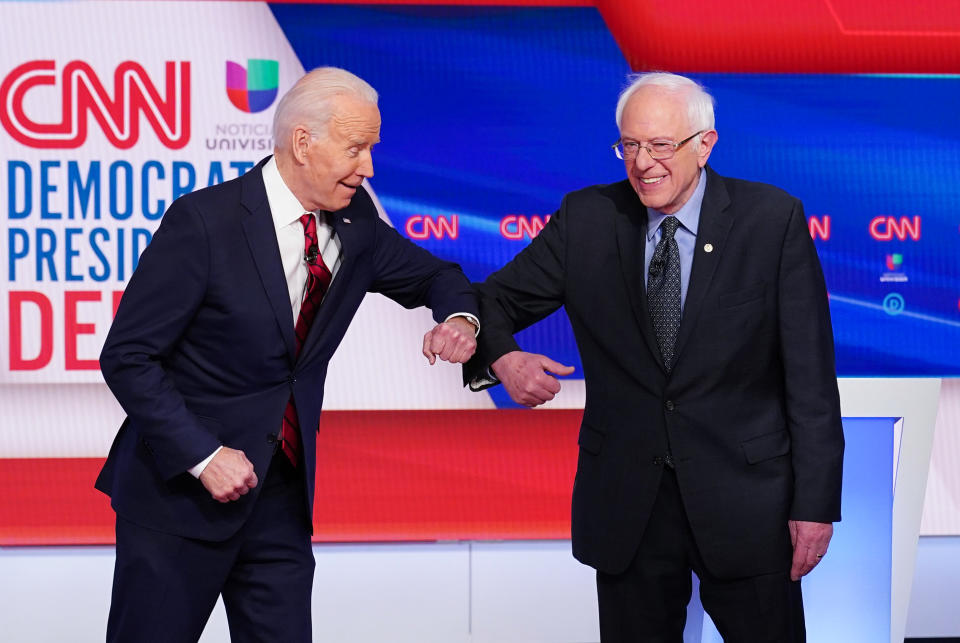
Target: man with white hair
pixel 218 355
pixel 711 438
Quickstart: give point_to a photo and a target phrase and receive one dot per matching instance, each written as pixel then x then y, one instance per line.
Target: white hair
pixel 699 102
pixel 309 101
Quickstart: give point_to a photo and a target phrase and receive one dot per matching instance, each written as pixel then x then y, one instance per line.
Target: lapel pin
pixel 346 220
pixel 708 247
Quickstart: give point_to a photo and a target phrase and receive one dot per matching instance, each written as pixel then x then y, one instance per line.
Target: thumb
pixel 555 367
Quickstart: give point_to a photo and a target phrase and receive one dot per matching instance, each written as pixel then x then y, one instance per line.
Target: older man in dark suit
pixel 711 437
pixel 218 354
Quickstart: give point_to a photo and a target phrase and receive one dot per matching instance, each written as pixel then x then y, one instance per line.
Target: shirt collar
pixel 688 214
pixel 284 206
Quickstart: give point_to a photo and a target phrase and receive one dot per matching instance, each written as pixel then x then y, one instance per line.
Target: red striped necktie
pixel 318 281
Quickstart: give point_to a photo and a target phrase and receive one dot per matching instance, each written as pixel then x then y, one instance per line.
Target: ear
pixel 707 140
pixel 300 143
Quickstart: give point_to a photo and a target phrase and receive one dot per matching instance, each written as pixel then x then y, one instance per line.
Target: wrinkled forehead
pixel 352 116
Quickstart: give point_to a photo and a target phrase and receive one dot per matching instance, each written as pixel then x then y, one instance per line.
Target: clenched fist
pixel 452 341
pixel 229 475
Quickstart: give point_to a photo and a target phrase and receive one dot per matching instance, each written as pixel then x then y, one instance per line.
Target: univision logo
pixel 894 269
pixel 253 89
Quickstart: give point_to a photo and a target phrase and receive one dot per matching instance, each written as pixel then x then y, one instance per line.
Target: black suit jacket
pixel 201 352
pixel 750 411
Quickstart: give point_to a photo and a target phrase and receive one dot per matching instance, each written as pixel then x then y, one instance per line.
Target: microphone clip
pixel 311 255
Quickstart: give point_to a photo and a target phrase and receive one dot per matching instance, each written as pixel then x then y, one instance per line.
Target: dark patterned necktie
pixel 318 281
pixel 663 290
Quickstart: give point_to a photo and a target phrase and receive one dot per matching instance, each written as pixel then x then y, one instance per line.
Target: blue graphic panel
pixel 854 148
pixel 491 112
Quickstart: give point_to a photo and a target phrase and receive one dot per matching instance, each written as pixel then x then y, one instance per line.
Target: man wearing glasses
pixel 711 437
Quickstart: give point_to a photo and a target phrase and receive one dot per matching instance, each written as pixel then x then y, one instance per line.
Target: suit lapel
pixel 262 240
pixel 631 230
pixel 714 226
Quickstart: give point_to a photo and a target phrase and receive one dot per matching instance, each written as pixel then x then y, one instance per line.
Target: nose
pixel 365 169
pixel 643 161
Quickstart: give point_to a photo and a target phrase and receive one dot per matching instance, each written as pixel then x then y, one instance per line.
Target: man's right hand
pixel 229 475
pixel 527 377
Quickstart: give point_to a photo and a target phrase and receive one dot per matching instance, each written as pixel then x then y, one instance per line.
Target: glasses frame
pixel 616 147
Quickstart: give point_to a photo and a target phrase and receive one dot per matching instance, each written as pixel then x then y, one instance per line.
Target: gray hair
pixel 699 102
pixel 308 102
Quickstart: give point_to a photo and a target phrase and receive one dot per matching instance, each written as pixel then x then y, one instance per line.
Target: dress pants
pixel 647 602
pixel 165 586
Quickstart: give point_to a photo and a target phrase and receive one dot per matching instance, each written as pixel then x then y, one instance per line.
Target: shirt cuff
pixel 196 470
pixel 470 318
pixel 484 381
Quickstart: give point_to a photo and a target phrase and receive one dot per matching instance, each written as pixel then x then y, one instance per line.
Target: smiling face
pixel 330 165
pixel 654 113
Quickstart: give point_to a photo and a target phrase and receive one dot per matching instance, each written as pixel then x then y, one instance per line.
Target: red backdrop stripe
pixel 381 476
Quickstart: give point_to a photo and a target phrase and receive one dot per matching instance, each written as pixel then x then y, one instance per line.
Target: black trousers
pixel 165 586
pixel 647 603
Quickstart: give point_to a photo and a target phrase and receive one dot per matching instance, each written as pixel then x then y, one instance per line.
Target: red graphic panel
pixel 917 17
pixel 803 36
pixel 381 476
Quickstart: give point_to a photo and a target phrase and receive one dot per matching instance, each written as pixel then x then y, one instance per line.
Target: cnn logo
pixel 886 228
pixel 82 97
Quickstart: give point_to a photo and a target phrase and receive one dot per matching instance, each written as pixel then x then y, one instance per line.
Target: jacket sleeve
pixel 412 276
pixel 164 293
pixel 812 400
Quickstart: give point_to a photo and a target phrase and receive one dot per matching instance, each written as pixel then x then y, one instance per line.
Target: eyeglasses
pixel 658 150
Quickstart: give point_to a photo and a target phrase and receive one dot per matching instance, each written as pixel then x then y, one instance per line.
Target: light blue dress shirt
pixel 686 235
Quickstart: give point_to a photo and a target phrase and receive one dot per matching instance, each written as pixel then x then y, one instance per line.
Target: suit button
pixel 669 405
pixel 657 460
pixel 271 438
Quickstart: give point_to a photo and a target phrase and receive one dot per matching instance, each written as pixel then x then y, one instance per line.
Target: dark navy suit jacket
pixel 750 411
pixel 201 352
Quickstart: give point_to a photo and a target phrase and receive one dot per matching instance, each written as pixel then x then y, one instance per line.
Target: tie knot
pixel 669 226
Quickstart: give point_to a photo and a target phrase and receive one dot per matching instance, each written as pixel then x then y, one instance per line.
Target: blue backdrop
pixel 490 112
